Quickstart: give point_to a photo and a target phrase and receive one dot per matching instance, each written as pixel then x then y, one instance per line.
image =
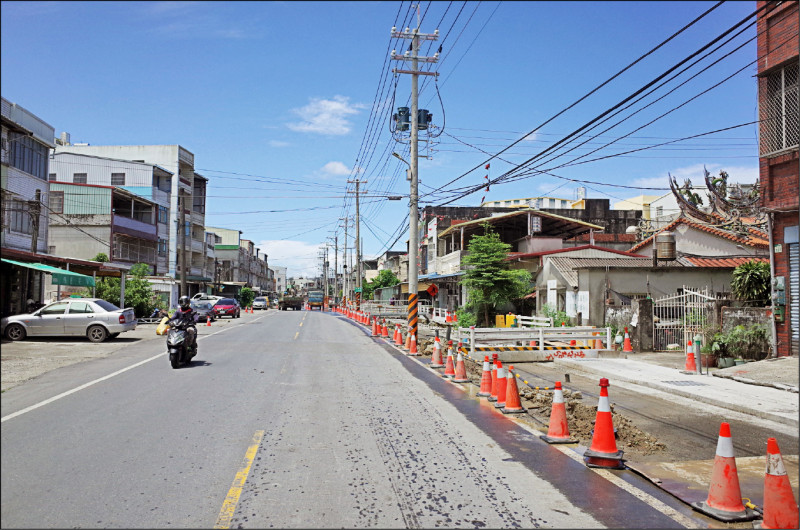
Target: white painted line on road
pixel 90 383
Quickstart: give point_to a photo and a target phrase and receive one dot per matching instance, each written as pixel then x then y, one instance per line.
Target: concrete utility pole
pixel 358 241
pixel 34 210
pixel 182 240
pixel 413 218
pixel 345 281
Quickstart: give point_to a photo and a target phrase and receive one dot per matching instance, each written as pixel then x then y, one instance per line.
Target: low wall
pixel 745 316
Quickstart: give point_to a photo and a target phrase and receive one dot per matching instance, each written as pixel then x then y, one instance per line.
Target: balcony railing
pixel 449 263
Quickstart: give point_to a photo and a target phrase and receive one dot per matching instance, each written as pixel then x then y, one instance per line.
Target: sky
pixel 286 104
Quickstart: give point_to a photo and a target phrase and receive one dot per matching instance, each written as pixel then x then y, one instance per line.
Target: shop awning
pixel 60 276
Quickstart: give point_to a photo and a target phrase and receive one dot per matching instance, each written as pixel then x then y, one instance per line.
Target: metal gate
pixel 794 298
pixel 678 318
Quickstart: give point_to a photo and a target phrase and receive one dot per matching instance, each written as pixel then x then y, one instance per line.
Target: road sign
pixel 357 289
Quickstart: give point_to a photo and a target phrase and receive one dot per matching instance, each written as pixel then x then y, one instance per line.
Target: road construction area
pixel 667 423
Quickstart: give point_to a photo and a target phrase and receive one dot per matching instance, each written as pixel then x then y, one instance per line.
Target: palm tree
pixel 750 282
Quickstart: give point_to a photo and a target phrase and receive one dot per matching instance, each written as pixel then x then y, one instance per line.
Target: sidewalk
pixel 765 389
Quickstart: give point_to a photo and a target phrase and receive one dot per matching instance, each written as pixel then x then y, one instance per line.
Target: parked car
pixel 261 302
pixel 227 307
pixel 93 318
pixel 205 310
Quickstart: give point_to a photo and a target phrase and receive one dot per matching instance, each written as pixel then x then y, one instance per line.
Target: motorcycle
pixel 179 351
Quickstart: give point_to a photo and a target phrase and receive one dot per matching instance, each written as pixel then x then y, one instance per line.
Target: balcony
pixel 133 227
pixel 449 264
pixel 198 246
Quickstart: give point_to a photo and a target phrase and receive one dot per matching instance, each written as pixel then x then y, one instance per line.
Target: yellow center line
pixel 229 506
pixel 296 335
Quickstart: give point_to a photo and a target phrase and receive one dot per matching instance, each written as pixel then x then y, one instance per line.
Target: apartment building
pixel 148 181
pixel 186 187
pixel 25 141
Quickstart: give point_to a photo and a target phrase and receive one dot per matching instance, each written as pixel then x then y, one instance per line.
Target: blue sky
pixel 283 102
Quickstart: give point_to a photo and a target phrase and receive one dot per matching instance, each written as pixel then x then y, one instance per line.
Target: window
pixel 162 247
pixel 118 179
pixel 57 202
pixel 55 309
pixel 163 215
pixel 108 306
pixel 779 108
pixel 52 177
pixel 28 155
pixel 79 178
pixel 80 307
pixel 659 211
pixel 20 218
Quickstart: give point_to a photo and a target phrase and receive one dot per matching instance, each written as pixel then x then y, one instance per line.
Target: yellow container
pixel 162 327
pixel 500 321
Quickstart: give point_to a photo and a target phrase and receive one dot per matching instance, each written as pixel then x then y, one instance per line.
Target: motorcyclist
pixel 185 312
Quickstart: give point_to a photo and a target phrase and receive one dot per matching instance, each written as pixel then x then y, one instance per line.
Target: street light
pixel 408 171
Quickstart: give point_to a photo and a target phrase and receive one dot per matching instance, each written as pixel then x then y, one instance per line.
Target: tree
pixel 750 282
pixel 246 297
pixel 488 279
pixel 385 278
pixel 138 292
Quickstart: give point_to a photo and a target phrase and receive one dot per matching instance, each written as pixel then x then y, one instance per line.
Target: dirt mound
pixel 580 416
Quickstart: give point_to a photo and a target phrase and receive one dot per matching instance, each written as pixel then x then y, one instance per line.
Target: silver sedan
pixel 93 318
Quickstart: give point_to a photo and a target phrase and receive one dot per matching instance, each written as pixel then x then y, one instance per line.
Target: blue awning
pixel 435 276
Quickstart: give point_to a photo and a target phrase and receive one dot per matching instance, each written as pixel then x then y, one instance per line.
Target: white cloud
pixel 299 258
pixel 335 169
pixel 736 174
pixel 278 143
pixel 326 116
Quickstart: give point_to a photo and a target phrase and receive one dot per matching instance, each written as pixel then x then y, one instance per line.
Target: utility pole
pixel 358 242
pixel 182 240
pixel 345 282
pixel 34 209
pixel 413 218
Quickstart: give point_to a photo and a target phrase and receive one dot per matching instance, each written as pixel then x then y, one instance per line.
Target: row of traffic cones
pixel 498 385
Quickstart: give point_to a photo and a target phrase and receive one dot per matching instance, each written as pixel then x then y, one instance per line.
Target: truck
pixel 290 300
pixel 315 299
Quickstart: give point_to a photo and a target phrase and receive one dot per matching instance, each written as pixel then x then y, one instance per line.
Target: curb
pixel 678 392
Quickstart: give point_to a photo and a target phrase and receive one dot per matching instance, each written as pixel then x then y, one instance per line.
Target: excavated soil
pixel 580 416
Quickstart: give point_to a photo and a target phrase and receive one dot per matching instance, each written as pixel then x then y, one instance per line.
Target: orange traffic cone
pixel 502 384
pixel 385 330
pixel 398 336
pixel 412 349
pixel 691 365
pixel 436 357
pixel 495 386
pixel 407 345
pixel 626 345
pixel 513 404
pixel 461 368
pixel 780 508
pixel 486 378
pixel 532 344
pixel 455 317
pixel 375 331
pixel 724 501
pixel 448 318
pixel 603 451
pixel 449 369
pixel 598 343
pixel 558 432
pixel 208 321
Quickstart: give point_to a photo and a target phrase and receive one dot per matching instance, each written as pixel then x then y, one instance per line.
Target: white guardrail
pixel 544 337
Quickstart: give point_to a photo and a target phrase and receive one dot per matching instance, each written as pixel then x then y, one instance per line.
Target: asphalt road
pixel 290 419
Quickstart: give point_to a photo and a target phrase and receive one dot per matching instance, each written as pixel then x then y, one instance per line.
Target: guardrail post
pixel 609 344
pixel 541 338
pixel 472 342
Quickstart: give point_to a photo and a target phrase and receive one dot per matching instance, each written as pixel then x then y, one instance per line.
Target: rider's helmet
pixel 184 302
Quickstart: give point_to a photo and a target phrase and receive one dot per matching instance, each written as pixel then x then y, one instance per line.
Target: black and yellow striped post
pixel 412 314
